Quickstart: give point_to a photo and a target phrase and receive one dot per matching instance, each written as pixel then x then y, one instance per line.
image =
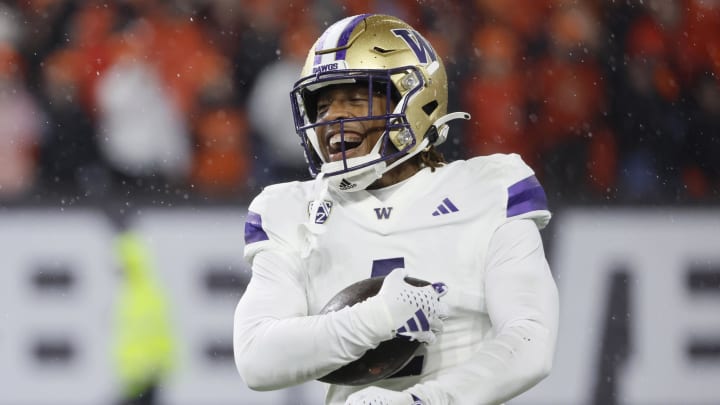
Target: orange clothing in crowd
pixel 569 97
pixel 220 163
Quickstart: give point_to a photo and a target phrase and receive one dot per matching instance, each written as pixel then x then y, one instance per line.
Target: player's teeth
pixel 337 139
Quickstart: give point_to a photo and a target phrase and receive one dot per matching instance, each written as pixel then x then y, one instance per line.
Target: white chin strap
pixel 360 179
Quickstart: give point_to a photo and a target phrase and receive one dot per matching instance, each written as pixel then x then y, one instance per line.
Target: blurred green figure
pixel 144 346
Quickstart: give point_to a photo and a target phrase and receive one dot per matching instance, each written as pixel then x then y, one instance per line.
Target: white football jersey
pixel 437 225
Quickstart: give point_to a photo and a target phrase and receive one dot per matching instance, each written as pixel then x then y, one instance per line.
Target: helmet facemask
pixel 397 139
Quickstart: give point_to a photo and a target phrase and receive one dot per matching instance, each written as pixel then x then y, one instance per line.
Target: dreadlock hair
pixel 432 158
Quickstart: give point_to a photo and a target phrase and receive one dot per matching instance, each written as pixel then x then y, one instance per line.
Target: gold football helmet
pixel 390 58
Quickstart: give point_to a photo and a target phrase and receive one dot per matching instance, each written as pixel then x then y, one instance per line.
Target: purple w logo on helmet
pixel 419 45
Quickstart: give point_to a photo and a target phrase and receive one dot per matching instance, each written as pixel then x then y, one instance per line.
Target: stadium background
pixel 161 119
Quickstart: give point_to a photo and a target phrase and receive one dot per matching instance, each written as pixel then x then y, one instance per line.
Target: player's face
pixel 348 101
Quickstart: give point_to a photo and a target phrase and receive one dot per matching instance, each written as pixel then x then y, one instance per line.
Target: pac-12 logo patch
pixel 320 210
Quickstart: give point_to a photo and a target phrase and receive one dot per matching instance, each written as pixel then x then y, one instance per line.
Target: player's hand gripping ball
pixel 388 357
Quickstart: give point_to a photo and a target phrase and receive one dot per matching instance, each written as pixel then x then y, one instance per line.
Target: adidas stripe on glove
pixel 417 312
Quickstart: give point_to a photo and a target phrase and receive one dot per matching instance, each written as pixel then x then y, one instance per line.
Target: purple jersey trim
pixel 254 231
pixel 525 196
pixel 345 36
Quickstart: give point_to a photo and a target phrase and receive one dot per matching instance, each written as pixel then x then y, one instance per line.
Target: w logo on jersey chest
pixel 383 212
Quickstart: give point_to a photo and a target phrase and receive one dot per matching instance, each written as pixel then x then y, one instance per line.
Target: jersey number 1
pixel 383 267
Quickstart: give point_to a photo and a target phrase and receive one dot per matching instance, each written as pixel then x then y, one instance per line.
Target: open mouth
pixel 335 145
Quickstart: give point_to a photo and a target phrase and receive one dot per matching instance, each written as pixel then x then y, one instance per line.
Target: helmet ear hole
pixel 432 134
pixel 430 107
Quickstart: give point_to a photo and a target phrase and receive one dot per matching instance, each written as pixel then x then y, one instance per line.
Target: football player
pixel 370 107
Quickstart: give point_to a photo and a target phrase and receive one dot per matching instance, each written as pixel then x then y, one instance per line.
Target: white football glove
pixel 381 396
pixel 417 312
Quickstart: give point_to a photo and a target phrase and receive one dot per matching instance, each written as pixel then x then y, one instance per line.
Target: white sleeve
pixel 522 303
pixel 277 344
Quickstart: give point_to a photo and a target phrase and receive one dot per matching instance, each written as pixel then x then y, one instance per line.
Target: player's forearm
pixel 276 353
pixel 276 347
pixel 501 369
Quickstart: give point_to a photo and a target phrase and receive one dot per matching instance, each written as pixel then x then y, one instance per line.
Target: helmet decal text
pixel 326 67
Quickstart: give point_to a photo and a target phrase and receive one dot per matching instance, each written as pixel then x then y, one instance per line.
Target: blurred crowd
pixel 609 101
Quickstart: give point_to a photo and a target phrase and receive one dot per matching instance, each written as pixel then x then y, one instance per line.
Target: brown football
pixel 378 363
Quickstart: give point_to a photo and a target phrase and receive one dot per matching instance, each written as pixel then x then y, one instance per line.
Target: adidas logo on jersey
pixel 446 207
pixel 346 185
